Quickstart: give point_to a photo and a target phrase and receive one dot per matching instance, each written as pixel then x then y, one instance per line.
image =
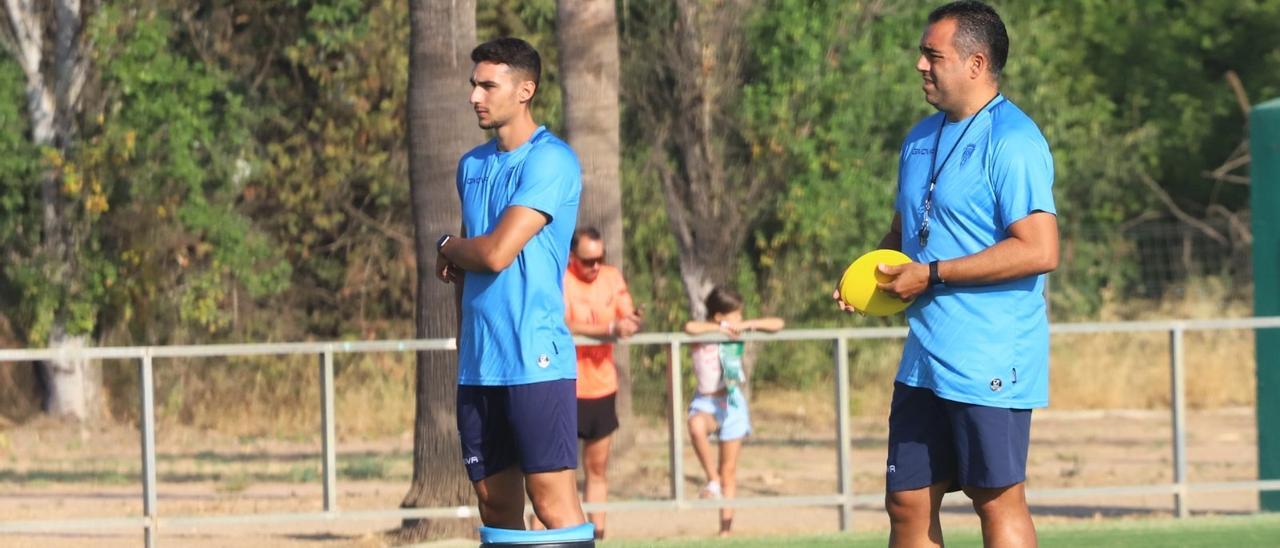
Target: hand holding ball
pixel 858 285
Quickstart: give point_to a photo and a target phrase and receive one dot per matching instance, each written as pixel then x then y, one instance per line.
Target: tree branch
pixel 1178 212
pixel 373 223
pixel 1240 228
pixel 1242 98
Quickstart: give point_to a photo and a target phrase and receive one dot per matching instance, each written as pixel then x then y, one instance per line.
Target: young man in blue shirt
pixel 975 212
pixel 517 405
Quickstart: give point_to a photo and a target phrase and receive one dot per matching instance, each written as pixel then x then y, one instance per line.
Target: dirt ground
pixel 50 470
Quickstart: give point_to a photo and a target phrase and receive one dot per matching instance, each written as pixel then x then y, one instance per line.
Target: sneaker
pixel 711 490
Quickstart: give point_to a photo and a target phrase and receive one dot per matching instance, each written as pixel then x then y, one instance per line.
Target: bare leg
pixel 595 460
pixel 555 498
pixel 700 426
pixel 1006 519
pixel 501 499
pixel 913 516
pixel 728 480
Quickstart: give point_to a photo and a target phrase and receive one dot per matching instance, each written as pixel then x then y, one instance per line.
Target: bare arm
pixel 770 324
pixel 698 327
pixel 734 329
pixel 588 329
pixel 893 238
pixel 496 250
pixel 1030 249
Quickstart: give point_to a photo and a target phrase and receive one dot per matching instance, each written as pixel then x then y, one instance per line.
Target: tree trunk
pixel 53 101
pixel 441 129
pixel 587 36
pixel 686 88
pixel 74 386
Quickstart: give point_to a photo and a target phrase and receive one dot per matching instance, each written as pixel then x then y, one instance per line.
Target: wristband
pixel 934 278
pixel 443 240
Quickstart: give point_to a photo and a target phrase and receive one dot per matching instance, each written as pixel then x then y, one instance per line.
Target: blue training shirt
pixel 513 329
pixel 980 344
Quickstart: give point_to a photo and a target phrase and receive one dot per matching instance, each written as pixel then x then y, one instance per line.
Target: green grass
pixel 1213 532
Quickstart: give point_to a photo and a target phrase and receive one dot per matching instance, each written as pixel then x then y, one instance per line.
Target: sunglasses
pixel 589 263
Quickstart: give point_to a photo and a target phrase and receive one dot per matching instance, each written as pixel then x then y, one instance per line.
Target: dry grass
pixel 272 396
pixel 1131 370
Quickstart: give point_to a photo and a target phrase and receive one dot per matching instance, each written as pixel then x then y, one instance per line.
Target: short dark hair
pixel 514 53
pixel 722 300
pixel 588 232
pixel 978 26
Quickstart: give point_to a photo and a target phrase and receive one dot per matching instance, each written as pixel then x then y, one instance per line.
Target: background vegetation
pixel 240 173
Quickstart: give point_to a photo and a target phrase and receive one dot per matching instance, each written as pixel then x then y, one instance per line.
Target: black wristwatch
pixel 440 243
pixel 934 278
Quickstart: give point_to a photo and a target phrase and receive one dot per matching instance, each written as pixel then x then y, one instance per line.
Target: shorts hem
pixel 1002 485
pixel 545 469
pixel 953 485
pixel 599 436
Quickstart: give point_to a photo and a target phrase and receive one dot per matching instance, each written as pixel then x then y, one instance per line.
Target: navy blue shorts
pixel 534 425
pixel 934 440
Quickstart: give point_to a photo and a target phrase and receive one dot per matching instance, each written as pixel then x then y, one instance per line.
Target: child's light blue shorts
pixel 730 413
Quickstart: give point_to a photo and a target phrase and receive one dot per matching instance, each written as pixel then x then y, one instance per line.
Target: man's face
pixel 944 69
pixel 497 93
pixel 586 260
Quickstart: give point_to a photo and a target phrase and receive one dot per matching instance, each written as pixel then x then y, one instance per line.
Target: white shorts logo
pixel 891 470
pixel 471 460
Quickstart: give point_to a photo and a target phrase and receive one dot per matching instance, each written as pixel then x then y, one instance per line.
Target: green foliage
pixel 333 182
pixel 169 152
pixel 18 162
pixel 240 172
pixel 535 22
pixel 825 110
pixel 20 169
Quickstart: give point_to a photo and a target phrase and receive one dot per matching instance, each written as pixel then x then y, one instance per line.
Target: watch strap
pixel 934 278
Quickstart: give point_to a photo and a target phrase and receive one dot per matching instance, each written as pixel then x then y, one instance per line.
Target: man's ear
pixel 977 64
pixel 524 93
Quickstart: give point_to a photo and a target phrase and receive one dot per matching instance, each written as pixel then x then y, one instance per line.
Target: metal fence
pixel 843 500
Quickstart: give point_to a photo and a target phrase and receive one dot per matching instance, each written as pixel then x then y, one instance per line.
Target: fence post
pixel 1179 407
pixel 843 442
pixel 327 431
pixel 148 420
pixel 1264 199
pixel 677 439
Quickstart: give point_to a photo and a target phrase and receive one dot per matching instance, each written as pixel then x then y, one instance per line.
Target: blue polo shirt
pixel 979 344
pixel 512 329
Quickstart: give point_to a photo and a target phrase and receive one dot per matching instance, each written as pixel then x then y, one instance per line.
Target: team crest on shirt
pixel 996 384
pixel 544 361
pixel 968 151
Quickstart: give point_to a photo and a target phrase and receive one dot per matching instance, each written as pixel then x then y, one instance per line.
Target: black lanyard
pixel 933 175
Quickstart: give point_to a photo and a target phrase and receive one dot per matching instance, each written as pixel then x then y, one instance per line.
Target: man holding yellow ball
pixel 976 217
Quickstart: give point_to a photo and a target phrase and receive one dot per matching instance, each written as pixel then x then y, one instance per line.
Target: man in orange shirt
pixel 598 305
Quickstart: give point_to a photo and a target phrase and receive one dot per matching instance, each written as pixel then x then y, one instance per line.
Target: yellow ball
pixel 858 285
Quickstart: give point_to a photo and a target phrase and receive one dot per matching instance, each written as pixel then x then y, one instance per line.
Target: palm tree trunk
pixel 587 35
pixel 442 34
